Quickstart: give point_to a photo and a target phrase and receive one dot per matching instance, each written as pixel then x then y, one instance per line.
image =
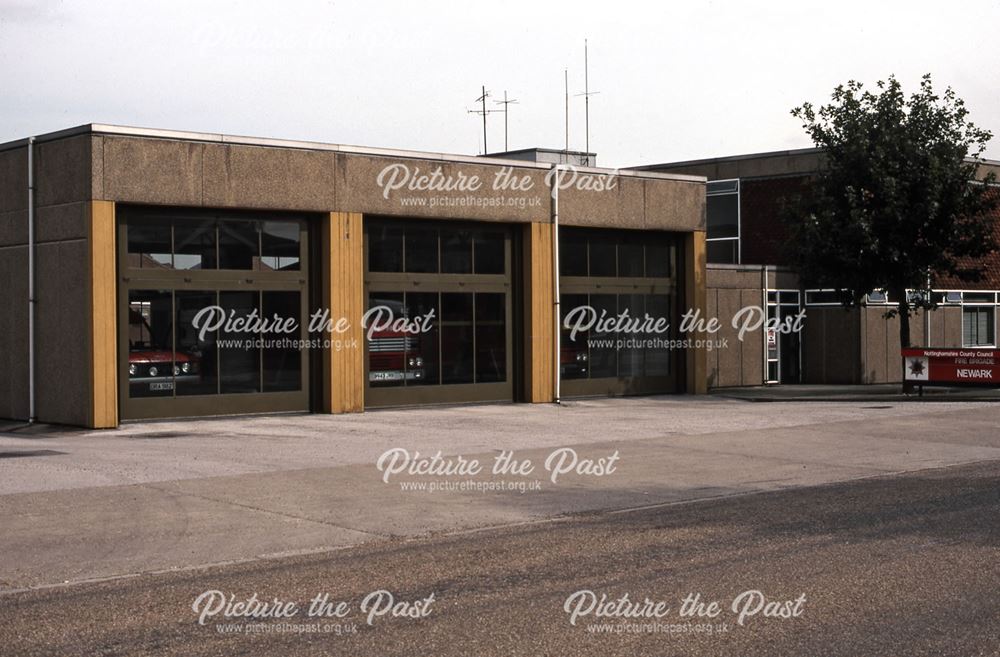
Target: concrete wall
pixel 62 225
pixel 130 169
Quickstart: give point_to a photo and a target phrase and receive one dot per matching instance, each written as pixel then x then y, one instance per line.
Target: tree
pixel 897 200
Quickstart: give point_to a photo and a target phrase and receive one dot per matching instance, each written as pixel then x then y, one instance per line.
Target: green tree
pixel 898 199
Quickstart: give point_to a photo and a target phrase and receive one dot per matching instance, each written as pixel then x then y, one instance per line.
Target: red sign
pixel 952 365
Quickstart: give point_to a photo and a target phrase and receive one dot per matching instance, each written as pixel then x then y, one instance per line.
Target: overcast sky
pixel 676 80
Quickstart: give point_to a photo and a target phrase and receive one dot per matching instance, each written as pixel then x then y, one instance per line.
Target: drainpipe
pixel 557 334
pixel 31 280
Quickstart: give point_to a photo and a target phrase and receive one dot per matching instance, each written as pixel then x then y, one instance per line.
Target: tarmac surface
pixel 905 564
pixel 158 496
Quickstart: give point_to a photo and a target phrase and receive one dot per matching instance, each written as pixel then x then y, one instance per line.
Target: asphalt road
pixel 901 565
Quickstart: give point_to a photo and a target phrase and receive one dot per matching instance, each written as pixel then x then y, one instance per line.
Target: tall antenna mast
pixel 483 112
pixel 566 87
pixel 506 103
pixel 587 93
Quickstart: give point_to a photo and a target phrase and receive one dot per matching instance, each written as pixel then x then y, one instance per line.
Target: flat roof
pixel 219 138
pixel 538 149
pixel 755 156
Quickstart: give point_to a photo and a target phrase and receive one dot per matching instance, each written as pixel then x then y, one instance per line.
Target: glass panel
pixel 722 252
pixel 572 252
pixel 149 244
pixel 723 216
pixel 877 297
pixel 772 370
pixel 456 251
pixel 630 256
pixel 385 247
pixel 422 348
pixel 574 354
pixel 789 353
pixel 491 337
pixel 281 357
pixel 150 343
pixel 723 186
pixel 239 362
pixel 630 354
pixel 280 246
pixel 977 326
pixel 194 244
pixel 421 250
pixel 238 245
pixel 603 354
pixel 456 338
pixel 657 354
pixel 387 347
pixel 197 358
pixel 660 260
pixel 490 247
pixel 978 297
pixel 603 260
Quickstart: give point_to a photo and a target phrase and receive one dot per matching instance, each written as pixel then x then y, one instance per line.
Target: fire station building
pixel 143 274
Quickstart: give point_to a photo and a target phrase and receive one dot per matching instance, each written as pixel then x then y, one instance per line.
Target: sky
pixel 676 81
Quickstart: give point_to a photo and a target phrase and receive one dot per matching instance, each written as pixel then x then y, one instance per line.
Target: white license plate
pixel 162 385
pixel 386 376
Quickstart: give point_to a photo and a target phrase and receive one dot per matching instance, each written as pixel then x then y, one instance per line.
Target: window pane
pixel 149 244
pixel 422 348
pixel 603 354
pixel 238 244
pixel 198 355
pixel 490 247
pixel 456 251
pixel 386 348
pixel 603 260
pixel 657 355
pixel 722 252
pixel 150 344
pixel 456 338
pixel 572 252
pixel 978 326
pixel 239 364
pixel 421 250
pixel 279 246
pixel 630 255
pixel 282 362
pixel 491 337
pixel 574 357
pixel 385 247
pixel 194 244
pixel 630 355
pixel 659 260
pixel 723 216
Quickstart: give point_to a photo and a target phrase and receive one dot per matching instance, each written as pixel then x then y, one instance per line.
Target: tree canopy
pixel 898 199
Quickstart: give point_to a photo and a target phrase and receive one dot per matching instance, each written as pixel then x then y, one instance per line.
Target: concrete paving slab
pixel 163 495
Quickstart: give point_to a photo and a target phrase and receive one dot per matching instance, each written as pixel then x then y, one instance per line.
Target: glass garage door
pixel 195 289
pixel 438 314
pixel 619 312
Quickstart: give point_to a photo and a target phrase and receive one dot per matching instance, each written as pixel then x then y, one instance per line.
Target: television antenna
pixel 506 108
pixel 483 112
pixel 587 93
